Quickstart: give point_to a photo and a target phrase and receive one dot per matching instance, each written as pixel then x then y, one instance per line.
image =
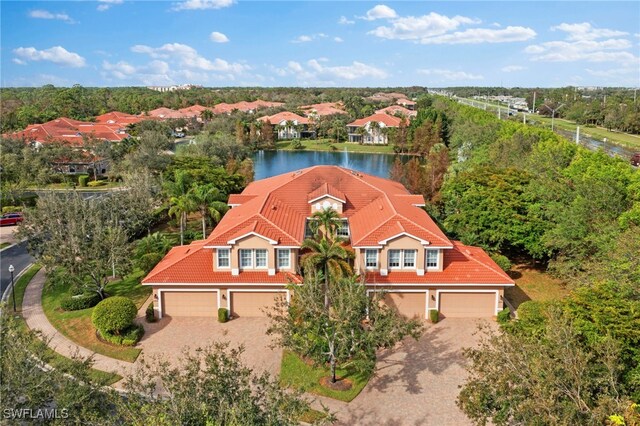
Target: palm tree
pixel 327 256
pixel 206 115
pixel 328 220
pixel 374 129
pixel 290 128
pixel 208 201
pixel 181 206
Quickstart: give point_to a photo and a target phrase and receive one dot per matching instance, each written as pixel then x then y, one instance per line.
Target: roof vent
pixel 274 207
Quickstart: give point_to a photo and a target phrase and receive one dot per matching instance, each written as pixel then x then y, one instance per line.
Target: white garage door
pixel 468 305
pixel 410 305
pixel 190 303
pixel 253 303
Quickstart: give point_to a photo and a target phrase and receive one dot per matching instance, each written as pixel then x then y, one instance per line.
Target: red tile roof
pixel 323 109
pixel 397 109
pixel 405 101
pixel 326 189
pixel 166 113
pixel 386 119
pixel 284 116
pixel 194 110
pixel 119 118
pixel 224 108
pixel 71 132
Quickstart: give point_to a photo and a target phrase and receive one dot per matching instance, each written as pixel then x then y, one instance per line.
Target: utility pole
pixel 524 118
pixel 578 135
pixel 533 107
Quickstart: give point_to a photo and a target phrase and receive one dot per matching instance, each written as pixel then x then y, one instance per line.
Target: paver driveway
pixel 169 336
pixel 417 383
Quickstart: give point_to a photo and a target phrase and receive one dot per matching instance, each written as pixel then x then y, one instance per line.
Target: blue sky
pixel 320 43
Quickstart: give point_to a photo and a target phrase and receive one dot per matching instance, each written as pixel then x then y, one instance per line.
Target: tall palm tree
pixel 328 220
pixel 206 115
pixel 290 129
pixel 328 256
pixel 181 206
pixel 208 200
pixel 374 129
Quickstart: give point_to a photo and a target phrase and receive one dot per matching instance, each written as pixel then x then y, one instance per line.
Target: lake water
pixel 271 163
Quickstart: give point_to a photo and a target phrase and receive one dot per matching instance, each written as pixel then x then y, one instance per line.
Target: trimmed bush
pixel 128 337
pixel 148 261
pixel 11 209
pixel 113 315
pixel 95 183
pixel 79 301
pixel 434 316
pixel 150 313
pixel 504 315
pixel 502 261
pixel 82 180
pixel 223 314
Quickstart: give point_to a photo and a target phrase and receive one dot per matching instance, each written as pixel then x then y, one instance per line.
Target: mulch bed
pixel 341 383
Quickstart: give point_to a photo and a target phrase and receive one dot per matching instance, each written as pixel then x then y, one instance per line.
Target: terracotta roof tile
pixel 386 119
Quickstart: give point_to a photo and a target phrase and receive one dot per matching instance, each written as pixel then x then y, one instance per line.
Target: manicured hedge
pixel 504 315
pixel 78 302
pixel 223 314
pixel 434 316
pixel 113 315
pixel 150 313
pixel 128 337
pixel 82 180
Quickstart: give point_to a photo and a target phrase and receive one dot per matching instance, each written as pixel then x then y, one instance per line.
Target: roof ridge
pixel 469 256
pixel 186 255
pixel 277 227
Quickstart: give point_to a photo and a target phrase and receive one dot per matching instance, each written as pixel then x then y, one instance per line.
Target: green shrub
pixel 114 314
pixel 11 209
pixel 150 313
pixel 297 145
pixel 148 261
pixel 95 183
pixel 79 301
pixel 434 316
pixel 223 314
pixel 502 261
pixel 82 180
pixel 504 315
pixel 128 337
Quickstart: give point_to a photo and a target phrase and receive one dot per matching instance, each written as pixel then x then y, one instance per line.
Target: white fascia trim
pixel 287 247
pixel 367 247
pixel 497 307
pixel 419 205
pixel 439 247
pixel 182 290
pixel 233 205
pixel 423 242
pixel 443 285
pixel 272 242
pixel 216 285
pixel 217 247
pixel 326 196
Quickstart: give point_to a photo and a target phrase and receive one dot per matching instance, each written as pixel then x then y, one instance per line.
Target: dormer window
pixel 343 229
pixel 402 259
pixel 433 257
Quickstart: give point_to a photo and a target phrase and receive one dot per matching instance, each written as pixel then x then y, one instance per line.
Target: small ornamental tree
pixel 114 314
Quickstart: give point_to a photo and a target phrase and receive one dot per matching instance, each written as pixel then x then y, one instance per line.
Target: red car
pixel 635 159
pixel 11 219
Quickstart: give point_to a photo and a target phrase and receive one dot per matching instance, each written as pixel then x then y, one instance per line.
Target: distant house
pixel 372 129
pixel 386 97
pixel 398 111
pixel 289 125
pixel 194 111
pixel 119 118
pixel 408 104
pixel 315 111
pixel 166 113
pixel 244 106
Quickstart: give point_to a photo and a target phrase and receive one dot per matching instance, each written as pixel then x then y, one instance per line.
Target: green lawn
pixel 3 245
pixel 77 326
pixel 328 145
pixel 56 360
pixel 296 374
pixel 624 139
pixel 533 283
pixel 67 185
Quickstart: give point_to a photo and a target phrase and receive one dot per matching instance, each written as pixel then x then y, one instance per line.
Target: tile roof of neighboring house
pixel 164 113
pixel 323 109
pixel 405 101
pixel 225 108
pixel 283 117
pixel 463 265
pixel 194 110
pixel 397 109
pixel 384 96
pixel 119 118
pixel 386 119
pixel 71 131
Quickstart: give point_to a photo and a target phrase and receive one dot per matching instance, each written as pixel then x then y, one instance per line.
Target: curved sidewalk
pixel 36 320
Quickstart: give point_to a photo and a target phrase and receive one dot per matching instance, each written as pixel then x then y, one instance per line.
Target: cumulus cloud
pixel 315 71
pixel 583 42
pixel 513 68
pixel 483 35
pixel 45 14
pixel 186 57
pixel 152 74
pixel 18 61
pixel 218 37
pixel 57 54
pixel 307 38
pixel 449 75
pixel 345 21
pixel 106 4
pixel 202 4
pixel 338 39
pixel 380 12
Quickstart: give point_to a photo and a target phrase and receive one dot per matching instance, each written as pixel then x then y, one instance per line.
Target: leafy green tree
pixel 325 223
pixel 180 207
pixel 208 200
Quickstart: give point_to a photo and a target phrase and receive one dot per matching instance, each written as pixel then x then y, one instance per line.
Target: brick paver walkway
pixel 37 320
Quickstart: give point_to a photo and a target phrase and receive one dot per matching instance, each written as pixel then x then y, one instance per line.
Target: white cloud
pixel 345 21
pixel 420 27
pixel 306 38
pixel 106 4
pixel 315 71
pixel 380 12
pixel 448 75
pixel 202 4
pixel 151 74
pixel 19 61
pixel 338 39
pixel 187 57
pixel 217 37
pixel 45 14
pixel 483 35
pixel 612 72
pixel 57 54
pixel 583 42
pixel 513 68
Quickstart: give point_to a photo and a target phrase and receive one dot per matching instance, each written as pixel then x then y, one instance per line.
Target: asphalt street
pixel 16 256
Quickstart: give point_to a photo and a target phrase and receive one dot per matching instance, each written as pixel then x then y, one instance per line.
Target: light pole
pixel 553 113
pixel 13 290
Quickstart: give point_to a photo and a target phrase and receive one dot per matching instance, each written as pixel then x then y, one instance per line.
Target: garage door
pixel 190 303
pixel 470 305
pixel 410 305
pixel 252 304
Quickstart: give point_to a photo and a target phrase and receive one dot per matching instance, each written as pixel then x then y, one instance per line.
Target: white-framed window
pixel 394 258
pixel 409 260
pixel 371 258
pixel 284 258
pixel 224 260
pixel 246 258
pixel 261 258
pixel 433 257
pixel 343 228
pixel 402 259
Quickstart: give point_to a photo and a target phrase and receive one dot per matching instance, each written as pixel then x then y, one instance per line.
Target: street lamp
pixel 553 113
pixel 13 290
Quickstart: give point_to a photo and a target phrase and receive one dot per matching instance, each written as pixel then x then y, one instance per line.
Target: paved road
pixel 16 256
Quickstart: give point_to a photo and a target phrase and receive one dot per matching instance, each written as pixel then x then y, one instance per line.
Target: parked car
pixel 635 159
pixel 11 219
